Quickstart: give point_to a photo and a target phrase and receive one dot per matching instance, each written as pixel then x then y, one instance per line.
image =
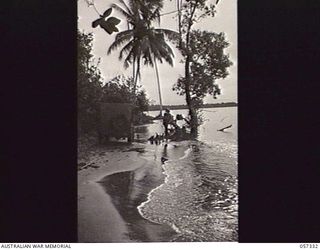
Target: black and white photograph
pixel 160 123
pixel 157 121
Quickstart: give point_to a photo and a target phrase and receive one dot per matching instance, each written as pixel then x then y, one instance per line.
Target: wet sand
pixel 112 183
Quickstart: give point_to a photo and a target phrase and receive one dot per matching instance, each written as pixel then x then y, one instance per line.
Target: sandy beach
pixel 127 194
pixel 108 196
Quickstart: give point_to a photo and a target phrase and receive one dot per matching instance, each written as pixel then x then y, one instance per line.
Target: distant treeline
pixel 209 105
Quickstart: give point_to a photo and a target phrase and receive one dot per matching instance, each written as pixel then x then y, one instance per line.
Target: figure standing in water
pixel 167 119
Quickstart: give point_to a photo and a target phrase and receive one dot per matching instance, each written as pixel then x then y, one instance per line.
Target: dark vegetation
pixel 92 90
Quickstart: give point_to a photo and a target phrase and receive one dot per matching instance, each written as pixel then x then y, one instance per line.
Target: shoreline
pixel 124 196
pixel 107 213
pixel 186 153
pixel 95 209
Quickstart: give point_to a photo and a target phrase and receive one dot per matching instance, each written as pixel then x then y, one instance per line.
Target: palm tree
pixel 141 41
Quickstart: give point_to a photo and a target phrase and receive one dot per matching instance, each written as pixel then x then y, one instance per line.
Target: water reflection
pixel 127 191
pixel 199 196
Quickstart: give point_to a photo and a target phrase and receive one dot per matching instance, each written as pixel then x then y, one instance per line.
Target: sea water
pixel 199 195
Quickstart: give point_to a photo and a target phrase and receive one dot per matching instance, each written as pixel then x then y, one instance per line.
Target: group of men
pixel 175 132
pixel 169 120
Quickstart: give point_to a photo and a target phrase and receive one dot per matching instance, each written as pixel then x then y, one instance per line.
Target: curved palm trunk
pixel 135 78
pixel 158 81
pixel 137 74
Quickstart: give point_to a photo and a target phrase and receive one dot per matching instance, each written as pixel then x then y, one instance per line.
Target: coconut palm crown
pixel 141 41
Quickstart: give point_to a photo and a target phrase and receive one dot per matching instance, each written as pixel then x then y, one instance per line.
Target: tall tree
pixel 142 41
pixel 208 63
pixel 89 84
pixel 203 57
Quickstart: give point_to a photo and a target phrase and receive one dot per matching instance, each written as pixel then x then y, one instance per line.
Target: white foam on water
pixel 182 225
pixel 186 153
pixel 149 197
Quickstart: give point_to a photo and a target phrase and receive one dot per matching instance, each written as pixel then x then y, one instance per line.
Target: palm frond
pixel 162 50
pixel 170 34
pixel 165 53
pixel 126 7
pixel 154 15
pixel 142 41
pixel 124 34
pixel 154 50
pixel 120 39
pixel 146 52
pixel 129 59
pixel 126 49
pixel 125 13
pixel 133 54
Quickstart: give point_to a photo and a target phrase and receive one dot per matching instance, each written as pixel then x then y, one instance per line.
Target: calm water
pixel 198 197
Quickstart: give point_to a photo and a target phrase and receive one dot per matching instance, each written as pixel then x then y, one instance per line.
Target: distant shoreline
pixel 209 105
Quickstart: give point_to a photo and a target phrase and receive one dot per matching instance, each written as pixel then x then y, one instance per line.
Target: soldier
pixel 167 119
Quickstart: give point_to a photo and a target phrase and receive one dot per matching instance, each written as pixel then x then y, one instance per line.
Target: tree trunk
pixel 135 79
pixel 158 81
pixel 133 71
pixel 179 18
pixel 192 111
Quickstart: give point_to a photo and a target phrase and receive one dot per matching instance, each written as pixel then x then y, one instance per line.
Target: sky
pixel 225 21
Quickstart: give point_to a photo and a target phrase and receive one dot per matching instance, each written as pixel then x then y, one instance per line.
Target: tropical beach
pixel 105 213
pixel 126 194
pixel 147 173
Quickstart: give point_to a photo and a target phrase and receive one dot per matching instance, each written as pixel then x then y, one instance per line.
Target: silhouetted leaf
pixel 107 13
pixel 96 22
pixel 108 25
pixel 113 20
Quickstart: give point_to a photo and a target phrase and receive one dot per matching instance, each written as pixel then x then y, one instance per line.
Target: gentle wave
pixel 149 197
pixel 198 198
